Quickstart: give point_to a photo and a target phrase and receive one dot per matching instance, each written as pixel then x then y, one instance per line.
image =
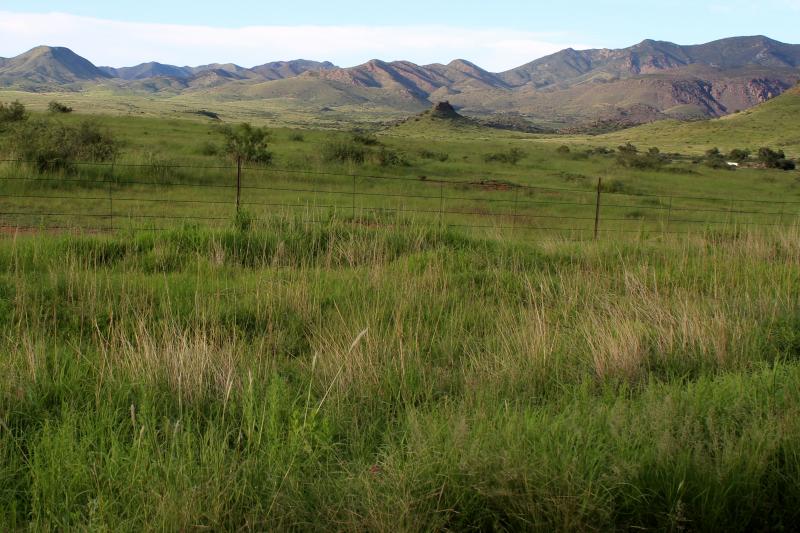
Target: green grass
pixel 341 377
pixel 341 366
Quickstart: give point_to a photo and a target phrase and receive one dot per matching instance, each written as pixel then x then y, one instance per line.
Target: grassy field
pixel 373 361
pixel 340 377
pixel 171 171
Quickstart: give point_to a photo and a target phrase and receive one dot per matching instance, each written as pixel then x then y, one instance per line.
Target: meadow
pixel 320 364
pixel 172 171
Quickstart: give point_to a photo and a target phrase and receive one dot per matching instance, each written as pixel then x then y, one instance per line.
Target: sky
pixel 497 35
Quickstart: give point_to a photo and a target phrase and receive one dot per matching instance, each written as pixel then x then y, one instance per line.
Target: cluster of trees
pixel 766 157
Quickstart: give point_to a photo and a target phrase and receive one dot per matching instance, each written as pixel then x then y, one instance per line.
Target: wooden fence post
pixel 238 183
pixel 597 208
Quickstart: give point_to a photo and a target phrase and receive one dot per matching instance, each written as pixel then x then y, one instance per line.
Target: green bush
pixel 390 158
pixel 51 145
pixel 739 156
pixel 57 107
pixel 715 159
pixel 628 156
pixel 365 139
pixel 248 143
pixel 338 151
pixel 436 156
pixel 563 149
pixel 13 112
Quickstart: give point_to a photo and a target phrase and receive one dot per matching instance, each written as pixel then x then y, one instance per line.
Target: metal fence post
pixel 597 208
pixel 238 182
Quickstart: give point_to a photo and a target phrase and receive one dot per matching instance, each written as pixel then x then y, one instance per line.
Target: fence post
pixel 110 206
pixel 514 219
pixel 110 179
pixel 238 182
pixel 354 198
pixel 669 214
pixel 441 204
pixel 597 208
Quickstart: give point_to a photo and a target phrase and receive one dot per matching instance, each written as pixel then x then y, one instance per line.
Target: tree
pixel 775 159
pixel 248 143
pixel 715 159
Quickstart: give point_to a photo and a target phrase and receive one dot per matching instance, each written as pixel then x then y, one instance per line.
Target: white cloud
pixel 115 43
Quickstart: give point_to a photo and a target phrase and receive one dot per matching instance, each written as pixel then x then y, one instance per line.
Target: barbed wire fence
pixel 107 197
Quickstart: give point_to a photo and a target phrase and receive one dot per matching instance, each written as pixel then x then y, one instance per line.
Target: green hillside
pixel 775 123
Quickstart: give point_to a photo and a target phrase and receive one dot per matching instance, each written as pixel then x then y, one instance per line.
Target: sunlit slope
pixel 775 123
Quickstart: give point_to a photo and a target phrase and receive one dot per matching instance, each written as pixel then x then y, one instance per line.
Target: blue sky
pixel 498 35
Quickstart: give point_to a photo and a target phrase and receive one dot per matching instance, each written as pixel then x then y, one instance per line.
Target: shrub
pixel 365 139
pixel 390 158
pixel 512 157
pixel 57 107
pixel 209 148
pixel 600 150
pixel 739 156
pixel 297 137
pixel 563 149
pixel 51 145
pixel 628 156
pixel 13 112
pixel 248 143
pixel 338 151
pixel 775 159
pixel 436 156
pixel 715 159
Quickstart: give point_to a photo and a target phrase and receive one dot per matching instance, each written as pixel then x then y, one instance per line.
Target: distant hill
pixel 590 90
pixel 570 67
pixel 279 70
pixel 148 70
pixel 45 65
pixel 775 124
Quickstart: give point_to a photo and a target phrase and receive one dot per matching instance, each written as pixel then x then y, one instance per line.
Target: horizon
pixel 335 65
pixel 508 34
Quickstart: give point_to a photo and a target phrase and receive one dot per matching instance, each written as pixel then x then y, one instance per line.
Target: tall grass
pixel 345 376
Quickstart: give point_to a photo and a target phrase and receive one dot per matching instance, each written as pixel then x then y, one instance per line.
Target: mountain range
pixel 645 82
